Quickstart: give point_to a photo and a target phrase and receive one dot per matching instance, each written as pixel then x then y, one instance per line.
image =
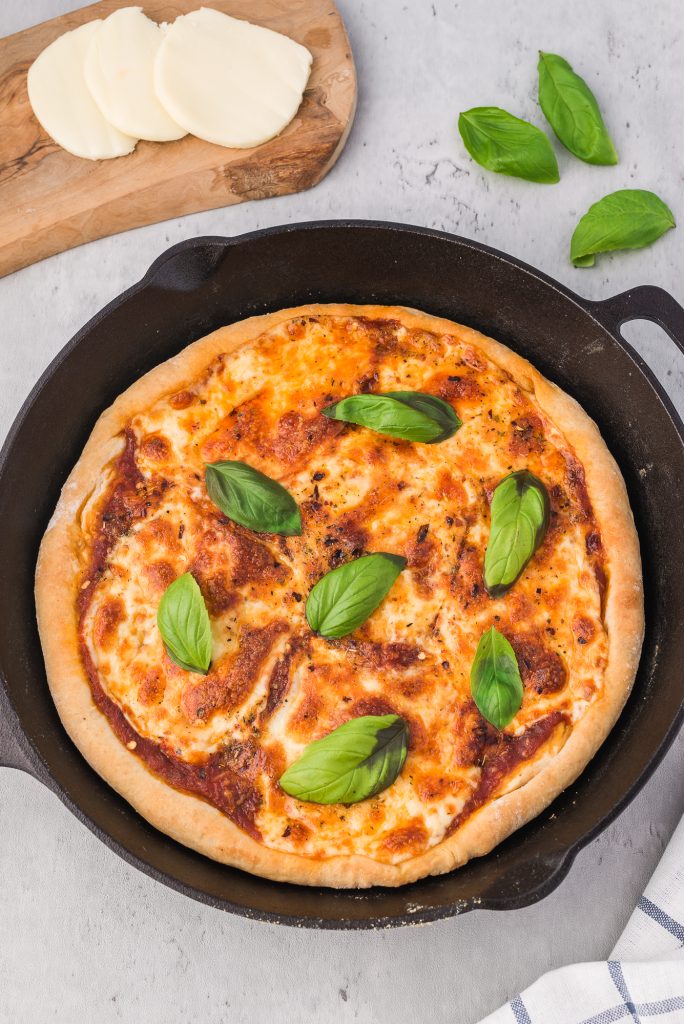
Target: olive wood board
pixel 52 201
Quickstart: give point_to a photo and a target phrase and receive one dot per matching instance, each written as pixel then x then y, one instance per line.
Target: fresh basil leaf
pixel 409 415
pixel 183 622
pixel 572 111
pixel 503 143
pixel 495 681
pixel 353 762
pixel 519 518
pixel 344 598
pixel 628 219
pixel 251 499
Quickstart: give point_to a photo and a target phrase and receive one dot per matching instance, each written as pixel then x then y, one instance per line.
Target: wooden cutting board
pixel 51 201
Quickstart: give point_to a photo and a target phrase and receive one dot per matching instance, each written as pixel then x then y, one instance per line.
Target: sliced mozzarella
pixel 62 102
pixel 119 73
pixel 228 81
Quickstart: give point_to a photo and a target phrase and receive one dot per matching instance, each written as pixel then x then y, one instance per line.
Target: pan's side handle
pixel 14 747
pixel 647 302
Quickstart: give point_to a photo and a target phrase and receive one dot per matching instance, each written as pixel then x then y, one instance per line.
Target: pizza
pixel 413 661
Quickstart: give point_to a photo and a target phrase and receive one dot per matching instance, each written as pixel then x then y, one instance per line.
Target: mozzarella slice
pixel 119 73
pixel 62 102
pixel 228 81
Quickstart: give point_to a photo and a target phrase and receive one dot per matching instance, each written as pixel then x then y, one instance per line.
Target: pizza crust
pixel 198 825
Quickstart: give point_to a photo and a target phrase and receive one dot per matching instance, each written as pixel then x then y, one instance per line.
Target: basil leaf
pixel 183 622
pixel 353 762
pixel 251 499
pixel 409 415
pixel 572 111
pixel 628 219
pixel 503 143
pixel 343 599
pixel 495 681
pixel 519 518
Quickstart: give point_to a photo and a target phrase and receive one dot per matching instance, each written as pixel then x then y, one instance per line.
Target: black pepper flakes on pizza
pixel 485 692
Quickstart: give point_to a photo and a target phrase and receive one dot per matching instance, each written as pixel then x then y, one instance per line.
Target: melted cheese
pixel 273 686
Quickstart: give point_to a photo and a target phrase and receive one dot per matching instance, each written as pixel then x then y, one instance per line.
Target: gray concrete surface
pixel 84 937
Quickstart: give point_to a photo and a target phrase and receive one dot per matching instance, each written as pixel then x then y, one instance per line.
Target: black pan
pixel 201 284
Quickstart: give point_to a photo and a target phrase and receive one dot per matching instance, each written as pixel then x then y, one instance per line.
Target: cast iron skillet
pixel 207 282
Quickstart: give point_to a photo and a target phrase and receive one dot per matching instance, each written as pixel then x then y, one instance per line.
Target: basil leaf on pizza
pixel 407 415
pixel 571 109
pixel 352 763
pixel 495 681
pixel 183 622
pixel 519 519
pixel 344 598
pixel 252 499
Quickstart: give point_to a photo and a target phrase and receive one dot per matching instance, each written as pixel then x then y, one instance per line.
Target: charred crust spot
pixel 374 655
pixel 467 582
pixel 151 686
pixel 412 685
pixel 297 832
pixel 308 709
pixel 381 333
pixel 107 618
pixel 297 436
pixel 163 533
pixel 347 537
pixel 451 489
pixel 593 543
pixel 413 836
pixel 470 735
pixel 577 485
pixel 422 556
pixel 161 574
pixel 454 387
pixel 472 358
pixel 372 706
pixel 182 399
pixel 218 595
pixel 155 447
pixel 583 628
pixel 527 435
pixel 367 383
pixel 432 786
pixel 542 670
pixel 252 561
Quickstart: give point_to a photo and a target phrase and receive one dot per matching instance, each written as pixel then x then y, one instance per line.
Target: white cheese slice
pixel 119 73
pixel 228 81
pixel 62 102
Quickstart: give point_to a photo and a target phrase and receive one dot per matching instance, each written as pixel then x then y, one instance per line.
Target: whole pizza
pixel 341 595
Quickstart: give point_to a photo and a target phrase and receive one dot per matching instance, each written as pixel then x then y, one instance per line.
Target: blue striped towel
pixel 641 983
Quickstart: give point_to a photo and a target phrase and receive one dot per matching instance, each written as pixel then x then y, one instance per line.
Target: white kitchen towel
pixel 641 983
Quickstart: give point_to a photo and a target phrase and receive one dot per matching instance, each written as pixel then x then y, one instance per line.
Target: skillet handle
pixel 647 302
pixel 14 747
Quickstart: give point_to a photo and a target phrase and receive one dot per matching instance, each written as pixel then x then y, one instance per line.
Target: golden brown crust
pixel 202 827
